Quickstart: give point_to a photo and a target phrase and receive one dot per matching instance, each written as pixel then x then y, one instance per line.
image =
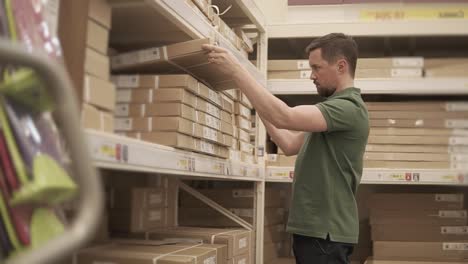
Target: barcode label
pixel 123 124
pixel 122 110
pixel 408 62
pixel 305 74
pixel 302 65
pixel 457 106
pixel 123 96
pixel 406 72
pixel 210 260
pixel 455 246
pixel 126 81
pixel 242 243
pixel 149 55
pixel 452 198
pixel 453 214
pixel 454 230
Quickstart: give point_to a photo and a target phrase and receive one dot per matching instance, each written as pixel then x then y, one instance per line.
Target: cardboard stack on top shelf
pixel 446 67
pixel 98 91
pixel 430 135
pixel 192 212
pixel 418 227
pixel 174 110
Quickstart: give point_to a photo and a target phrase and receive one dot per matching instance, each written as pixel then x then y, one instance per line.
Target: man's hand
pixel 223 58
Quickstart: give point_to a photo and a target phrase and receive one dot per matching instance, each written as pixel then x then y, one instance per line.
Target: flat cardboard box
pixel 221 251
pixel 242 98
pixel 389 73
pixel 90 117
pixel 99 93
pixel 146 61
pixel 156 81
pixel 382 164
pixel 96 64
pixel 246 147
pixel 446 73
pixel 134 124
pixel 171 139
pixel 208 120
pixel 101 12
pixel 420 123
pixel 373 261
pixel 174 124
pixel 304 74
pixel 231 94
pixel 434 63
pixel 395 156
pixel 421 251
pixel 281 160
pixel 129 110
pixel 237 240
pixel 227 128
pixel 407 148
pixel 243 111
pixel 207 133
pixel 171 109
pixel 395 62
pixel 177 95
pixel 97 37
pixel 240 259
pixel 137 198
pixel 129 220
pixel 417 115
pixel 228 140
pixel 411 217
pixel 228 103
pixel 421 233
pixel 417 106
pixel 418 140
pixel 226 117
pixel 147 254
pixel 391 131
pixel 288 65
pixel 107 122
pixel 419 201
pixel 243 123
pixel 135 96
pixel 205 147
pixel 210 95
pixel 234 198
pixel 243 135
pixel 207 107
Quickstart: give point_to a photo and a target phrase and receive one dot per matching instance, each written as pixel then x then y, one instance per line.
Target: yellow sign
pixel 414 14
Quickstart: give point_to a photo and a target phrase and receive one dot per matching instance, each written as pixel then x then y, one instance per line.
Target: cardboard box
pixel 240 259
pixel 128 220
pixel 419 201
pixel 107 122
pixel 246 42
pixel 207 133
pixel 234 198
pixel 96 64
pixel 130 110
pixel 407 156
pixel 373 261
pixel 417 115
pixel 395 62
pixel 412 217
pixel 421 233
pixel 145 61
pixel 226 117
pixel 101 12
pixel 433 63
pixel 242 98
pixel 281 160
pixel 209 148
pixel 408 164
pixel 134 124
pixel 135 96
pixel 407 148
pixel 447 73
pixel 389 73
pixel 171 109
pixel 417 106
pixel 416 132
pixel 231 94
pixel 421 251
pixel 137 198
pixel 237 240
pixel 248 158
pixel 420 123
pixel 243 111
pixel 305 74
pixel 228 103
pixel 99 93
pixel 228 140
pixel 177 95
pixel 243 123
pixel 90 117
pixel 146 254
pixel 97 37
pixel 212 96
pixel 174 124
pixel 243 135
pixel 288 65
pixel 157 81
pixel 246 147
pixel 171 139
pixel 227 128
pixel 207 107
pixel 221 251
pixel 208 120
pixel 234 155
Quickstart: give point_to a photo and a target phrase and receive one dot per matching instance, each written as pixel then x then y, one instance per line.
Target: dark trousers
pixel 311 250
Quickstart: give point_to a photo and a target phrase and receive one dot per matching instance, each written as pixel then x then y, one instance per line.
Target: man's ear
pixel 342 65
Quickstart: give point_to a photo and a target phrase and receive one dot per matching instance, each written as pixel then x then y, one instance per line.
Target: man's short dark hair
pixel 335 46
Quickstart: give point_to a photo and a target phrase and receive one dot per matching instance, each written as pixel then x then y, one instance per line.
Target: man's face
pixel 324 75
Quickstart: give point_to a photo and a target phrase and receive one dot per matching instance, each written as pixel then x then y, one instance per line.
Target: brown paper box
pixel 135 96
pixel 416 106
pixel 137 198
pixel 208 120
pixel 107 122
pixel 420 123
pixel 234 198
pixel 243 135
pixel 128 220
pixel 157 81
pixel 90 117
pixel 237 240
pixel 96 64
pixel 231 94
pixel 226 117
pixel 130 110
pixel 228 140
pixel 99 93
pixel 207 133
pixel 207 107
pixel 395 62
pixel 421 233
pixel 372 261
pixel 175 124
pixel 406 156
pixel 172 139
pixel 429 251
pixel 288 65
pixel 304 74
pixel 227 128
pixel 446 72
pixel 100 11
pixel 210 95
pixel 243 123
pixel 417 115
pixel 419 201
pixel 171 109
pixel 135 124
pixel 243 111
pixel 246 147
pixel 410 132
pixel 221 251
pixel 389 73
pixel 97 37
pixel 228 104
pixel 281 160
pixel 241 259
pixel 146 61
pixel 243 99
pixel 407 148
pixel 178 95
pixel 407 164
pixel 411 217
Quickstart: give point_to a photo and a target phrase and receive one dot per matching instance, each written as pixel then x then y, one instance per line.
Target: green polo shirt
pixel 328 171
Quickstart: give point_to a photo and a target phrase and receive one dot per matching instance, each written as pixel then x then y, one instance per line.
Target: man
pixel 329 138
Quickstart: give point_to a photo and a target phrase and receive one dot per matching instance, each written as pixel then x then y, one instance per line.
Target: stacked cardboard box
pixel 243 118
pixel 417 135
pixel 446 67
pixel 419 227
pixel 174 110
pixel 98 91
pixel 240 202
pixel 397 67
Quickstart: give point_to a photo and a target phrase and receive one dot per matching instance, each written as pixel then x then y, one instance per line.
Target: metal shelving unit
pixel 415 86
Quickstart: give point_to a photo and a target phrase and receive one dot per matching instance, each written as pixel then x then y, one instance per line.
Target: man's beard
pixel 325 92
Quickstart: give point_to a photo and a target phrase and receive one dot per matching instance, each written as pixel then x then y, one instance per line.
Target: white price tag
pixel 122 110
pixel 451 198
pixel 214 96
pixel 458 140
pixel 242 243
pixel 454 230
pixel 210 260
pixel 305 74
pixel 303 65
pixel 213 110
pixel 406 73
pixel 455 246
pixel 408 62
pixel 453 214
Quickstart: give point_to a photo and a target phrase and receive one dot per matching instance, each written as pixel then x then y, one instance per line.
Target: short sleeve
pixel 339 114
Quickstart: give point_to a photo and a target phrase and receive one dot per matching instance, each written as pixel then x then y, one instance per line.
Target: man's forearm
pixel 283 138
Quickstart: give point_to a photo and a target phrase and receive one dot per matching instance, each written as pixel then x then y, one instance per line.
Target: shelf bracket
pixel 215 206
